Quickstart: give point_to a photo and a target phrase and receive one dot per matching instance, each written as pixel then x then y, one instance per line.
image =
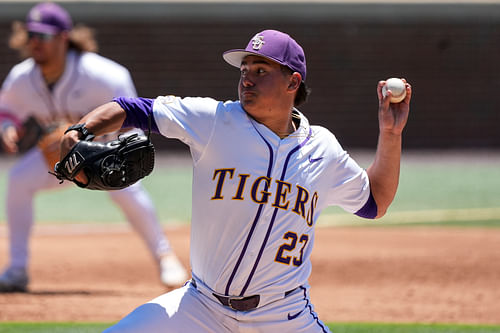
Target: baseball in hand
pixel 397 87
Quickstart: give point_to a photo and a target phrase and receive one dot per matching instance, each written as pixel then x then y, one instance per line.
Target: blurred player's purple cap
pixel 48 18
pixel 273 45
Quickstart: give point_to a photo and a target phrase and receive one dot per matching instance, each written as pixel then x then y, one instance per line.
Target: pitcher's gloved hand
pixel 107 166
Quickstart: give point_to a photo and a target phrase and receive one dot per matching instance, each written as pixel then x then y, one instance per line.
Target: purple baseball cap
pixel 48 18
pixel 273 45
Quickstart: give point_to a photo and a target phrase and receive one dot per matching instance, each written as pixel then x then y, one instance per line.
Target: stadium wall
pixel 449 52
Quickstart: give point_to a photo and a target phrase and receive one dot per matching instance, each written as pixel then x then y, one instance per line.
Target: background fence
pixel 449 52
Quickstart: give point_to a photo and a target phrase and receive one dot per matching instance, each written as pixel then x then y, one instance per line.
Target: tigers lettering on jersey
pixel 304 204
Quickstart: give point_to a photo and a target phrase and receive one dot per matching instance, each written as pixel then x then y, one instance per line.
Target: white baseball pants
pixel 188 310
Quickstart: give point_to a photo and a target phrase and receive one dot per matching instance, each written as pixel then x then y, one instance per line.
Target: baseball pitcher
pixel 262 174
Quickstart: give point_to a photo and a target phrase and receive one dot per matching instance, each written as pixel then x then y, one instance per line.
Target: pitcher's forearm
pixel 384 171
pixel 104 119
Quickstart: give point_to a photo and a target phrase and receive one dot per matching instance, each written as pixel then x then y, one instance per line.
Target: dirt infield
pixel 100 273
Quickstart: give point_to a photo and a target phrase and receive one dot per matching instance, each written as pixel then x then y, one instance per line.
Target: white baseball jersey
pixel 256 197
pixel 88 81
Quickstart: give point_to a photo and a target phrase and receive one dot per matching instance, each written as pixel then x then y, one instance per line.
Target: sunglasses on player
pixel 40 36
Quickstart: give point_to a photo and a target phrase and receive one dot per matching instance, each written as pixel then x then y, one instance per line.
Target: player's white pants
pixel 187 310
pixel 29 175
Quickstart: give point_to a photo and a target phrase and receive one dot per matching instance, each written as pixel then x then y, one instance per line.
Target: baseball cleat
pixel 172 273
pixel 13 280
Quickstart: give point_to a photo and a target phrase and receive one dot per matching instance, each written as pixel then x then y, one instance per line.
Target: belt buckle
pixel 243 307
pixel 235 298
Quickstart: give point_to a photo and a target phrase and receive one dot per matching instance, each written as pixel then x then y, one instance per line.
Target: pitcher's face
pixel 263 86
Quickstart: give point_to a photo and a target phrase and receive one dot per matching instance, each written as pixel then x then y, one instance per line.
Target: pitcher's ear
pixel 295 81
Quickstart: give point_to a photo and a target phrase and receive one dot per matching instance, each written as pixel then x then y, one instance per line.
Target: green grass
pixel 169 188
pixel 454 194
pixel 411 328
pixel 424 187
pixel 334 327
pixel 458 224
pixel 52 327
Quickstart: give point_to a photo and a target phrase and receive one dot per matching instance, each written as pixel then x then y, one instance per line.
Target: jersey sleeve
pixel 369 210
pixel 349 185
pixel 139 112
pixel 114 78
pixel 124 85
pixel 191 120
pixel 12 95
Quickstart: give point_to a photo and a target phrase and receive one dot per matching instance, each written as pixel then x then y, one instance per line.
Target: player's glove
pixel 108 166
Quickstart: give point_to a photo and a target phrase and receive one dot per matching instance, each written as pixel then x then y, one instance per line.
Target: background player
pixel 61 82
pixel 261 176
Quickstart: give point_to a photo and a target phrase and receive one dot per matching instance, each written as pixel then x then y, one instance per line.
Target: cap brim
pixel 235 57
pixel 42 28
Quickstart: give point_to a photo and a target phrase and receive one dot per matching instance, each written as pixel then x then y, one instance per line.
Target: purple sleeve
pixel 369 210
pixel 138 110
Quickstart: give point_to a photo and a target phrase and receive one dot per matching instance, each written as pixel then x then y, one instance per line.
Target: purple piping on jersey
pixel 311 311
pixel 369 210
pixel 268 233
pixel 138 110
pixel 255 220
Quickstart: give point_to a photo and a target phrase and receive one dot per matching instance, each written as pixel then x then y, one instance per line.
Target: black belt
pixel 241 303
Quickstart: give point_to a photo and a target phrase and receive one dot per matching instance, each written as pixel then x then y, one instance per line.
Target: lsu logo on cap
pixel 258 42
pixel 35 15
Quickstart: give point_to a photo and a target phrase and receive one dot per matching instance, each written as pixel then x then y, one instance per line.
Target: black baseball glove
pixel 108 166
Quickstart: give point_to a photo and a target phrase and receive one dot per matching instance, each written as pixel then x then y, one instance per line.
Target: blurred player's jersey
pixel 88 81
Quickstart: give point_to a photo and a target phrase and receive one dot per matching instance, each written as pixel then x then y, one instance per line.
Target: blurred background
pixel 448 50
